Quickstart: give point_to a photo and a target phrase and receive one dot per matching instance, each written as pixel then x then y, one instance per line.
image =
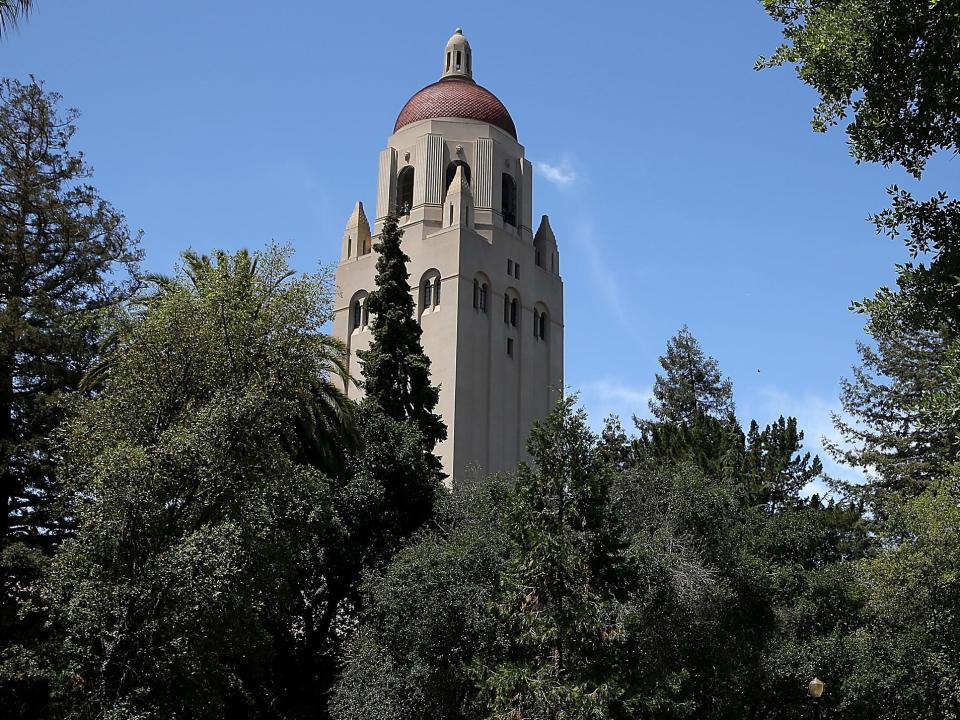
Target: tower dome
pixel 455 94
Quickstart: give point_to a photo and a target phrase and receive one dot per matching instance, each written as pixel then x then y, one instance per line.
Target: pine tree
pixel 396 371
pixel 565 584
pixel 62 250
pixel 691 385
pixel 65 259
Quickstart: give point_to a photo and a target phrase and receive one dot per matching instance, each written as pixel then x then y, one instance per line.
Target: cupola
pixel 457 60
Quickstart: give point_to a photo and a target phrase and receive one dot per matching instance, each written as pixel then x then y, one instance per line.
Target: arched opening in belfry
pixel 508 200
pixel 452 170
pixel 405 190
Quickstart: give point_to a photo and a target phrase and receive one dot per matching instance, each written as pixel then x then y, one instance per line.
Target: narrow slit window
pixel 458 59
pixel 514 311
pixel 448 61
pixel 535 318
pixel 509 267
pixel 436 292
pixel 506 308
pixel 483 297
pixel 476 294
pixel 516 270
pixel 427 294
pixel 543 326
pixel 357 314
pixel 510 347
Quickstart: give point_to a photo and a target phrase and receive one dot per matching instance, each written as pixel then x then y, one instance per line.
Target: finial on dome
pixel 457 57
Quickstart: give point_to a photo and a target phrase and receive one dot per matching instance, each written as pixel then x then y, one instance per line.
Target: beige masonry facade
pixel 487 288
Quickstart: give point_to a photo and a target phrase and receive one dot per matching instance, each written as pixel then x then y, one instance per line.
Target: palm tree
pixel 10 13
pixel 243 300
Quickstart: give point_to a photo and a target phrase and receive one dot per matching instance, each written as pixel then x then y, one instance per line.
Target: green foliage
pixel 892 64
pixel 905 656
pixel 590 611
pixel 427 615
pixel 692 384
pixel 202 513
pixel 63 253
pixel 65 256
pixel 396 371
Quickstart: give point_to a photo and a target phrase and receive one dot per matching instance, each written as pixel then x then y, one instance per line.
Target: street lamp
pixel 816 688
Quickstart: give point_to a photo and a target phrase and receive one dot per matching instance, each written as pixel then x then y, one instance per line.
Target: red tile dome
pixel 456 97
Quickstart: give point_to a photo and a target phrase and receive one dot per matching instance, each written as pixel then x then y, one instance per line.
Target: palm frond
pixel 11 11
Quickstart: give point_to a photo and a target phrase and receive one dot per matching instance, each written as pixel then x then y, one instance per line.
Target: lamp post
pixel 816 688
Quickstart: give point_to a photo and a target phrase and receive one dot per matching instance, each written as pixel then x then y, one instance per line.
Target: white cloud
pixel 562 174
pixel 814 414
pixel 605 281
pixel 610 396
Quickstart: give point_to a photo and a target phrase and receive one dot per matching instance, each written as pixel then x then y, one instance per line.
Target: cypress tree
pixel 396 371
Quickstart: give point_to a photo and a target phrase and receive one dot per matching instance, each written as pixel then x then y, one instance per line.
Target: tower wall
pixel 498 372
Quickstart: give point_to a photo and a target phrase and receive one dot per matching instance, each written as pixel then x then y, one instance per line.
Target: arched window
pixel 429 293
pixel 357 314
pixel 508 199
pixel 405 190
pixel 480 290
pixel 452 170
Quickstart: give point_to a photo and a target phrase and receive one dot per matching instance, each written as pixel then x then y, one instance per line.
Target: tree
pixel 892 64
pixel 63 254
pixel 692 383
pixel 205 508
pixel 11 11
pixel 66 258
pixel 591 614
pixel 427 615
pixel 396 371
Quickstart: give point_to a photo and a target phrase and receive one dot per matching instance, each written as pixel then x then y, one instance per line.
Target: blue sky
pixel 683 186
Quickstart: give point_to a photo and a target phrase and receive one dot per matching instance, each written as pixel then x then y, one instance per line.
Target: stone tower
pixel 487 290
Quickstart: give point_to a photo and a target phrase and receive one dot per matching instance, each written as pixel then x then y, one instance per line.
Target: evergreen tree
pixel 396 371
pixel 65 260
pixel 892 67
pixel 63 251
pixel 692 384
pixel 586 611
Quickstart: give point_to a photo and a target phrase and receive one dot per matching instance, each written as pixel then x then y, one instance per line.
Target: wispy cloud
pixel 610 396
pixel 604 279
pixel 561 174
